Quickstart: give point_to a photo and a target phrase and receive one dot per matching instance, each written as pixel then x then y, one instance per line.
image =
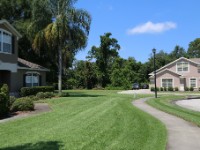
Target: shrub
pixel 27 91
pixel 63 94
pixel 165 89
pixel 4 100
pixel 33 98
pixel 170 89
pixel 191 89
pixel 22 104
pixel 186 89
pixel 43 95
pixel 11 101
pixel 176 89
pixel 152 89
pixel 5 90
pixel 161 89
pixel 4 109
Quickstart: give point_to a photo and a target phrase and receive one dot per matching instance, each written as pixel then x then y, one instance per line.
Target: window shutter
pixel 24 80
pixel 13 44
pixel 40 80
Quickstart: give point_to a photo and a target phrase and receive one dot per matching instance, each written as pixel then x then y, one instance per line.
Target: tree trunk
pixel 60 70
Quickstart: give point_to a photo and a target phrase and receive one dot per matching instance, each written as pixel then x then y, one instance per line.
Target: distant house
pixel 180 73
pixel 14 71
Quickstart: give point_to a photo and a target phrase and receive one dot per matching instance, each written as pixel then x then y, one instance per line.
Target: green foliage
pixel 3 105
pixel 176 89
pixel 170 89
pixel 4 100
pixel 161 89
pixel 22 104
pixel 11 101
pixel 187 88
pixel 165 89
pixel 63 94
pixel 191 89
pixel 194 48
pixel 91 118
pixel 152 88
pixel 44 95
pixel 27 91
pixel 104 55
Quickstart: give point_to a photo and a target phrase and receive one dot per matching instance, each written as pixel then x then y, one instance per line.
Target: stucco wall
pixel 17 79
pixel 191 73
pixel 9 58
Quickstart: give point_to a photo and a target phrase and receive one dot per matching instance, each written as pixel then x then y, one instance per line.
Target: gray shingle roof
pixel 24 64
pixel 197 60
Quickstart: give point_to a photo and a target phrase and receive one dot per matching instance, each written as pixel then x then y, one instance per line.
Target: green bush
pixel 165 89
pixel 170 89
pixel 191 89
pixel 27 91
pixel 161 89
pixel 43 95
pixel 152 89
pixel 22 104
pixel 176 89
pixel 4 109
pixel 5 90
pixel 186 89
pixel 4 100
pixel 11 101
pixel 63 94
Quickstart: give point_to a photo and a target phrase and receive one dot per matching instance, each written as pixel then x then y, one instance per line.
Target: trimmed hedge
pixel 22 104
pixel 27 91
pixel 4 101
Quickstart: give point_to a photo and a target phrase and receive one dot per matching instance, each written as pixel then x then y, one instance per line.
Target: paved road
pixel 182 135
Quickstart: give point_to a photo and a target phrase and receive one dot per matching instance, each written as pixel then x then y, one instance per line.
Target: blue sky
pixel 141 25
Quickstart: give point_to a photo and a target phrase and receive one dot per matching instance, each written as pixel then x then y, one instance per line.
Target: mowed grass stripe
pixel 106 121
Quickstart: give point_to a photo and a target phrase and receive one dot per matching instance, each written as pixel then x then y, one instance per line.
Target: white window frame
pixel 2 41
pixel 182 66
pixel 166 79
pixel 32 74
pixel 195 82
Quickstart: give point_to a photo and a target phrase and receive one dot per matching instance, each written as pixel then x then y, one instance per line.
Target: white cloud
pixel 150 27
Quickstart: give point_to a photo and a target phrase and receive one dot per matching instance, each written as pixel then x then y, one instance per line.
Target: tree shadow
pixel 49 145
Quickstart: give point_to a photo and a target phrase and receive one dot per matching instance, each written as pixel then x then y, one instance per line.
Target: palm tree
pixel 58 25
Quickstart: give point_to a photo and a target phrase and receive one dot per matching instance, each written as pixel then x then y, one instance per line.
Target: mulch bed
pixel 39 108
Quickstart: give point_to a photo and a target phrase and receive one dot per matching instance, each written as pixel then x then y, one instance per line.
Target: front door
pixel 182 84
pixel 5 77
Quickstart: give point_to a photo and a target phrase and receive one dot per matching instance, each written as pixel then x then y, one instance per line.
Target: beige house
pixel 180 73
pixel 15 71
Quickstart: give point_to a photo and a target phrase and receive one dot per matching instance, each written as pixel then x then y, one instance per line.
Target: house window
pixel 182 66
pixel 5 42
pixel 193 82
pixel 32 79
pixel 167 83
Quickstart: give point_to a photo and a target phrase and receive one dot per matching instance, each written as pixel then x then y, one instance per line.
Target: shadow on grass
pixel 49 145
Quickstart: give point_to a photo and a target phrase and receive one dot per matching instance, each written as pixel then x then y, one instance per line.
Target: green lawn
pixel 165 103
pixel 87 120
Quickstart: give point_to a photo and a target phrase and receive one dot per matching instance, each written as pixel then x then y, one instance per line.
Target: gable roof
pixel 193 60
pixel 10 27
pixel 27 65
pixel 167 70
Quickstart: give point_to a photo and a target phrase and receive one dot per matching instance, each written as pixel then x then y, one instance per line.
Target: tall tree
pixel 66 32
pixel 194 49
pixel 177 53
pixel 104 55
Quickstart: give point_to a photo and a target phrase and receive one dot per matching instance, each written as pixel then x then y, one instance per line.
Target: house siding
pixel 168 75
pixel 191 73
pixel 9 58
pixel 17 79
